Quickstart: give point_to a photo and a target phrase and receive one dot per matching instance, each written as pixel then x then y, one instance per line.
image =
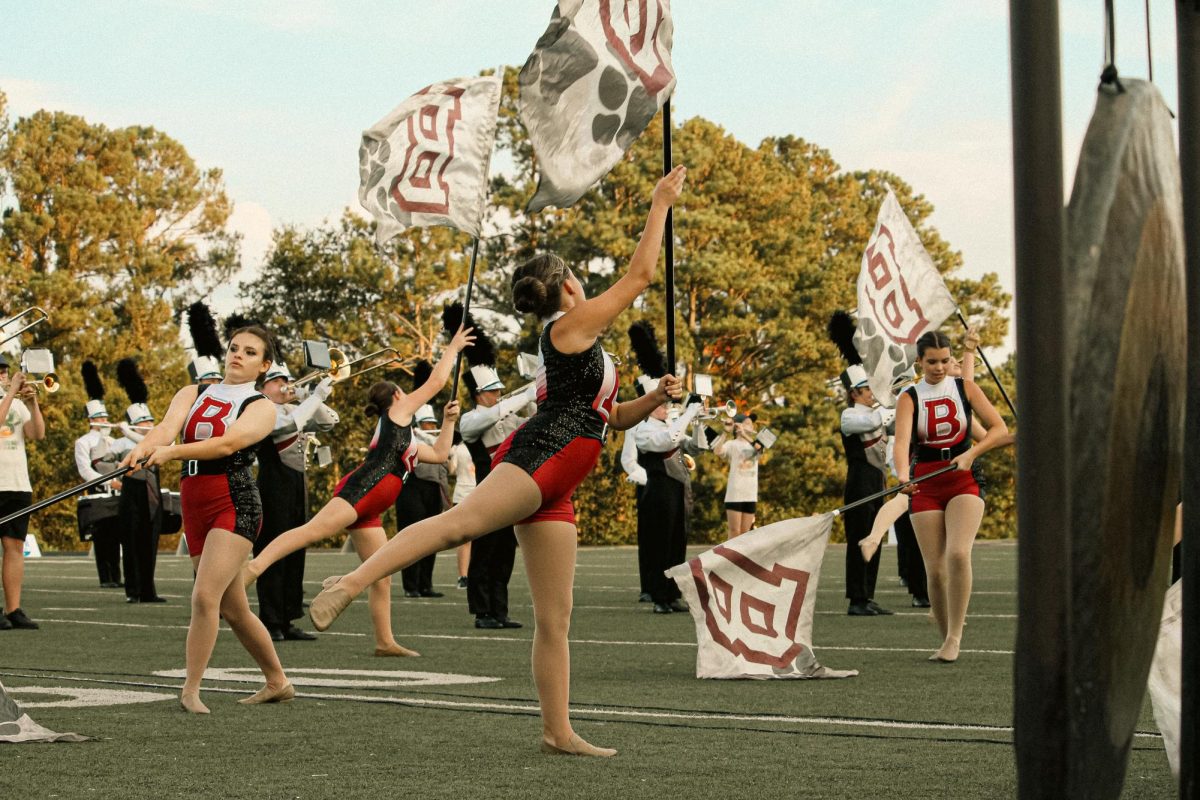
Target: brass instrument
pixel 341 368
pixel 31 310
pixel 49 382
pixel 519 390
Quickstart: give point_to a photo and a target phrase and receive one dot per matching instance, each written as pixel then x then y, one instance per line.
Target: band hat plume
pixel 649 358
pixel 135 388
pixel 841 330
pixel 480 355
pixel 95 390
pixel 203 329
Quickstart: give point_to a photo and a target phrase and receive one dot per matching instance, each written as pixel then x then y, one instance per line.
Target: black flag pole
pixel 988 364
pixel 670 244
pixel 466 311
pixel 63 495
pixel 863 500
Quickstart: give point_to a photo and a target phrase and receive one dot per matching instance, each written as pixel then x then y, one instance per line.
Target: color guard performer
pixel 364 494
pixel 141 495
pixel 220 426
pixel 283 486
pixel 536 470
pixel 95 455
pixel 20 421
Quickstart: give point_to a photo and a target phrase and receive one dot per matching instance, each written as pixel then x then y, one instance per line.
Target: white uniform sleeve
pixel 633 470
pixel 855 420
pixel 130 433
pixel 323 419
pixel 663 439
pixel 479 420
pixel 83 460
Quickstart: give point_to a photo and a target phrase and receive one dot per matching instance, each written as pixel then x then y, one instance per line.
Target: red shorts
pixel 372 505
pixel 557 477
pixel 935 493
pixel 219 501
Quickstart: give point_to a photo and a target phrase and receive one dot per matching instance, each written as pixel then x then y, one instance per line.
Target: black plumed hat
pixel 482 352
pixel 203 328
pixel 841 333
pixel 91 381
pixel 131 381
pixel 422 372
pixel 645 349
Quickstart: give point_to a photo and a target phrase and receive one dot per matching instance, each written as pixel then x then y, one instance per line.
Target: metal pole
pixel 1187 31
pixel 988 364
pixel 1040 677
pixel 466 311
pixel 670 244
pixel 63 495
pixel 839 511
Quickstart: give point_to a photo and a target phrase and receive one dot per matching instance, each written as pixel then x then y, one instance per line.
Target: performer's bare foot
pixel 249 574
pixel 190 702
pixel 948 653
pixel 329 604
pixel 270 694
pixel 575 746
pixel 869 547
pixel 397 650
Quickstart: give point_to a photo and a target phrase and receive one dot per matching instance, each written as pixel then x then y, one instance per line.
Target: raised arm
pixel 165 432
pixel 35 428
pixel 439 451
pixel 584 323
pixel 437 379
pixel 970 345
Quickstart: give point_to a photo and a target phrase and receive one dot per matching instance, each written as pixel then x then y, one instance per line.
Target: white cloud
pixel 253 221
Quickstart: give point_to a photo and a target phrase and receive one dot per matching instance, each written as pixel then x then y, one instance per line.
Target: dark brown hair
pixel 270 349
pixel 379 398
pixel 537 285
pixel 932 340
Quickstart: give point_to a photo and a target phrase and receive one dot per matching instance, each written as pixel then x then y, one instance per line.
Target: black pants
pixel 280 588
pixel 141 523
pixel 418 500
pixel 908 555
pixel 106 547
pixel 662 534
pixel 491 567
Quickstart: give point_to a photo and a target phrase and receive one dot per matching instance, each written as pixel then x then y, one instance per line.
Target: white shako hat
pixel 278 369
pixel 95 408
pixel 854 377
pixel 204 368
pixel 424 414
pixel 138 413
pixel 482 378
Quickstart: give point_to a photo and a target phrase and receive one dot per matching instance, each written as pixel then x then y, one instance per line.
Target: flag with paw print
pixel 596 78
pixel 752 601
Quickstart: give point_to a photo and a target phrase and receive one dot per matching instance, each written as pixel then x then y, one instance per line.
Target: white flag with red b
pixel 752 601
pixel 901 295
pixel 426 162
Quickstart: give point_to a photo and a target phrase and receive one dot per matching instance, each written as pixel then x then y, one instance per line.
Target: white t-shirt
pixel 464 472
pixel 14 467
pixel 743 472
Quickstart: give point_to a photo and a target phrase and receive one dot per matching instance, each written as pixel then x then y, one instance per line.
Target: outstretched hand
pixel 669 187
pixel 463 339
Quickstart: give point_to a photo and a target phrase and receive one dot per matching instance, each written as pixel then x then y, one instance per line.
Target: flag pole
pixel 837 512
pixel 988 364
pixel 670 243
pixel 63 495
pixel 466 311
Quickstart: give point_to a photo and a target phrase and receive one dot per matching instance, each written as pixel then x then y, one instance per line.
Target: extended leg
pixel 337 515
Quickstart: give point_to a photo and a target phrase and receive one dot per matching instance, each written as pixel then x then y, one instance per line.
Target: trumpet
pixel 38 319
pixel 49 382
pixel 730 410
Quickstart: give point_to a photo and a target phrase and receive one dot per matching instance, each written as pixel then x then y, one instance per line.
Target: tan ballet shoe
pixel 267 694
pixel 249 576
pixel 869 547
pixel 948 653
pixel 396 650
pixel 191 704
pixel 329 604
pixel 577 747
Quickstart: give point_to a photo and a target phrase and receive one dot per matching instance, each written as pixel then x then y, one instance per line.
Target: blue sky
pixel 277 93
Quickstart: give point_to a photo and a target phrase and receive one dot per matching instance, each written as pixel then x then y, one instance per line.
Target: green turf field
pixel 904 728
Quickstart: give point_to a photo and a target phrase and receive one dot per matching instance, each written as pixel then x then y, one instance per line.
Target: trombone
pixel 340 367
pixel 38 319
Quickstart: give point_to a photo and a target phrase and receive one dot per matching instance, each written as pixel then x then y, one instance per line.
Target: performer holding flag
pixel 536 470
pixel 96 455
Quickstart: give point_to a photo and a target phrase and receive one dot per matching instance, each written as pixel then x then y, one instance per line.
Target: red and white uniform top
pixel 942 418
pixel 216 408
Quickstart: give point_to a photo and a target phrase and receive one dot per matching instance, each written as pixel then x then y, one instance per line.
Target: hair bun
pixel 529 294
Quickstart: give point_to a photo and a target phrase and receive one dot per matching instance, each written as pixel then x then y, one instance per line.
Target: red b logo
pixel 942 426
pixel 421 184
pixel 207 421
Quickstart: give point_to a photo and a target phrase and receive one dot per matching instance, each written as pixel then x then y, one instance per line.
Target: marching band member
pixel 426 494
pixel 220 426
pixel 95 455
pixel 635 474
pixel 205 368
pixel 736 445
pixel 536 470
pixel 665 504
pixel 140 510
pixel 935 416
pixel 484 428
pixel 462 469
pixel 20 421
pixel 362 496
pixel 865 442
pixel 282 484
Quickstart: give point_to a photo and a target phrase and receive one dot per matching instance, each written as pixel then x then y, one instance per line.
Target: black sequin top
pixel 393 452
pixel 575 395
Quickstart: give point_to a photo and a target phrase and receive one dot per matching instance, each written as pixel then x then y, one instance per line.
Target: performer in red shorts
pixel 364 494
pixel 221 424
pixel 933 418
pixel 536 470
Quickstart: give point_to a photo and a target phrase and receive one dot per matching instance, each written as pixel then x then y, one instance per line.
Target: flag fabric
pixel 426 163
pixel 900 296
pixel 16 727
pixel 752 600
pixel 595 79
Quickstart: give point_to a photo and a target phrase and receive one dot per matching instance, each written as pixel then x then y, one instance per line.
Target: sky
pixel 276 94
